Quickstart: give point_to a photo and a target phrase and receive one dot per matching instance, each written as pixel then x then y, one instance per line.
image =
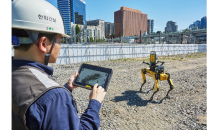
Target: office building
pixel 99 23
pixel 72 11
pixel 204 22
pixel 64 9
pixel 150 26
pixel 171 27
pixel 92 31
pixel 109 28
pixel 197 24
pixel 78 9
pixel 129 22
pixel 191 26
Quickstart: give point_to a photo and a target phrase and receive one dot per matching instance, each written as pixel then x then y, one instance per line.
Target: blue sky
pixel 183 12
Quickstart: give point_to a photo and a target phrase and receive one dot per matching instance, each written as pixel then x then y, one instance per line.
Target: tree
pixel 185 30
pixel 158 32
pixel 91 39
pixel 77 32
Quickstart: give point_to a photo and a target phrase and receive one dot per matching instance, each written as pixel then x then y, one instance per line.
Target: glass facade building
pixel 204 22
pixel 64 9
pixel 78 9
pixel 191 26
pixel 198 24
pixel 152 26
pixel 72 11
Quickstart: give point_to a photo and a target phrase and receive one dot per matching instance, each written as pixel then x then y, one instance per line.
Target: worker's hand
pixel 70 81
pixel 97 93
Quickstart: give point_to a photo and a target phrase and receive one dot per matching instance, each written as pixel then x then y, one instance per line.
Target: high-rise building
pixel 72 11
pixel 64 9
pixel 99 23
pixel 171 27
pixel 78 10
pixel 204 22
pixel 129 22
pixel 109 28
pixel 150 26
pixel 197 24
pixel 191 26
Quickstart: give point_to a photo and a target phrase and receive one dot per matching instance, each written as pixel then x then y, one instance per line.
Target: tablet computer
pixel 89 75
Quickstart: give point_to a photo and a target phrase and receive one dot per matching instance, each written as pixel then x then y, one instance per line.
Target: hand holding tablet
pixel 89 75
pixel 71 80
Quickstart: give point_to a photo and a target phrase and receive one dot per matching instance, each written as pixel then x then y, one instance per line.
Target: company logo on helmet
pixel 48 18
pixel 49 28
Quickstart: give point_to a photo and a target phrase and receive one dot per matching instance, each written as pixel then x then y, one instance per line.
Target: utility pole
pixel 181 38
pixel 159 37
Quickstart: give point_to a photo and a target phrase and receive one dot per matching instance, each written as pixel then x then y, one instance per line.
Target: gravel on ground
pixel 126 108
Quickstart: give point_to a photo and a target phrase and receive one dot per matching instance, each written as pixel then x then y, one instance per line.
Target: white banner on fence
pixel 74 53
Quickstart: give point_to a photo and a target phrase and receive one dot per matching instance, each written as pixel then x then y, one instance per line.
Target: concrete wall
pixel 75 53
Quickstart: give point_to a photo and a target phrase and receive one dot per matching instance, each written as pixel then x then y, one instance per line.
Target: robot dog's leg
pixel 156 89
pixel 142 85
pixel 143 71
pixel 153 94
pixel 153 87
pixel 170 83
pixel 167 96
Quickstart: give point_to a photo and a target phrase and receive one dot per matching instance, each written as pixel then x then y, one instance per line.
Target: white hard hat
pixel 37 16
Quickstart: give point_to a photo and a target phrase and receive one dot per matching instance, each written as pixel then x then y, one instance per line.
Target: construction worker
pixel 38 102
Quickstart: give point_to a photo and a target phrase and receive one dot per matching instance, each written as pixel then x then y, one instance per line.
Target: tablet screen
pixel 91 77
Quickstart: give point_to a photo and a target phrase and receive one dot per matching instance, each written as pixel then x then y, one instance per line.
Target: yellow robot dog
pixel 156 72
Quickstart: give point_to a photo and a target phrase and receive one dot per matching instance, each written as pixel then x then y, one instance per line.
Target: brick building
pixel 129 22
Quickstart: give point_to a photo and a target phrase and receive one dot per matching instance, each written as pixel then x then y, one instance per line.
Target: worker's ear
pixel 42 44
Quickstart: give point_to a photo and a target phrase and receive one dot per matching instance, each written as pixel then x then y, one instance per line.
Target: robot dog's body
pixel 156 72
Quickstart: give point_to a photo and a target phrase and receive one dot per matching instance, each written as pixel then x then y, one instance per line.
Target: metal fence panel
pixel 75 53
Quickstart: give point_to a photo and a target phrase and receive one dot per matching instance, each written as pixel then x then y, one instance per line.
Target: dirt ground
pixel 186 108
pixel 126 108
